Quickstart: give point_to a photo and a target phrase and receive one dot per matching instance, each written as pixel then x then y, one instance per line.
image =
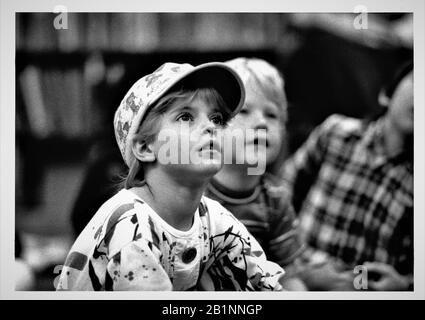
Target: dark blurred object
pixel 104 162
pixel 99 184
pixel 24 274
pixel 337 70
pixel 31 164
pixel 18 245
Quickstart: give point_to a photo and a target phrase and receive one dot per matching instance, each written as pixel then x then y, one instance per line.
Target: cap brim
pixel 221 77
pixel 216 75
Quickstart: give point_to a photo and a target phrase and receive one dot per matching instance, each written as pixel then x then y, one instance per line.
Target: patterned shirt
pixel 128 246
pixel 354 202
pixel 267 213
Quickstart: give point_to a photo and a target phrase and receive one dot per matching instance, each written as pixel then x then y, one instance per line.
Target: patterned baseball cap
pixel 149 89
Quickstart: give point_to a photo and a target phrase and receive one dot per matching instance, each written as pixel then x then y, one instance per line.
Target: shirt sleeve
pixel 401 243
pixel 137 267
pixel 237 260
pixel 286 243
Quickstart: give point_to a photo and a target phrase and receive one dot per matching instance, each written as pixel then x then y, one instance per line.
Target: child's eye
pixel 271 115
pixel 243 111
pixel 185 117
pixel 217 119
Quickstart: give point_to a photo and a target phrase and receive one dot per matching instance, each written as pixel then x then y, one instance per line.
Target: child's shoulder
pixel 122 219
pixel 277 197
pixel 217 219
pixel 211 207
pixel 215 211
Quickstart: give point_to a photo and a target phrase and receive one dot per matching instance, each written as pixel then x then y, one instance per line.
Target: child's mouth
pixel 263 142
pixel 209 147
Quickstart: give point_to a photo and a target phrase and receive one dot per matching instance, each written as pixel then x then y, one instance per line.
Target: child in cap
pixel 258 199
pixel 159 232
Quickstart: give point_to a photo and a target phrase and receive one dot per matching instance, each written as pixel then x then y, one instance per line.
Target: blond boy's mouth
pixel 260 141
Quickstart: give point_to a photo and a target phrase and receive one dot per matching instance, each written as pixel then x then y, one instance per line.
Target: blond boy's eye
pixel 271 115
pixel 243 111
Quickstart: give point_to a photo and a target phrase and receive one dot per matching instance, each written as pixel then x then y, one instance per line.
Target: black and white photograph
pixel 212 150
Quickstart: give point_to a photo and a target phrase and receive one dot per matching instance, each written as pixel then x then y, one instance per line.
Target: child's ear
pixel 143 150
pixel 383 99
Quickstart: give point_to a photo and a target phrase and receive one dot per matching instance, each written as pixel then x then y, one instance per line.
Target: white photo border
pixel 7 137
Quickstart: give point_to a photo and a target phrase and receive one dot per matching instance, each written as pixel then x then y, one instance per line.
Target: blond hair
pixel 260 75
pixel 264 77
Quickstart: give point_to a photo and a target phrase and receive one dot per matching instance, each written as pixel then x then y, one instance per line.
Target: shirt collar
pixel 232 196
pixel 374 143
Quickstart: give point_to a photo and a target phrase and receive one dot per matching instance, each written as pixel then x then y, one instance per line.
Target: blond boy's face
pixel 189 141
pixel 401 106
pixel 259 115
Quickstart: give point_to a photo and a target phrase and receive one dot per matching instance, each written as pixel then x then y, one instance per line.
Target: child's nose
pixel 260 121
pixel 208 126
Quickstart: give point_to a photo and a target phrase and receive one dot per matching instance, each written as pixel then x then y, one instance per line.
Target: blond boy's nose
pixel 260 121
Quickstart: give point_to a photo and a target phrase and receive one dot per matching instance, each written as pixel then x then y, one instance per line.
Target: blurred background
pixel 70 81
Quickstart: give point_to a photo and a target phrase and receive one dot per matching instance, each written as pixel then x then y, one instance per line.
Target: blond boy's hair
pixel 258 74
pixel 264 77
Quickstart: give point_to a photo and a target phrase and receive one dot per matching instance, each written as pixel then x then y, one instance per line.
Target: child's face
pixel 258 113
pixel 188 143
pixel 401 106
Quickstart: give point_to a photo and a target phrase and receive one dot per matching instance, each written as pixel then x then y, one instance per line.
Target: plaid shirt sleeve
pixel 302 168
pixel 402 242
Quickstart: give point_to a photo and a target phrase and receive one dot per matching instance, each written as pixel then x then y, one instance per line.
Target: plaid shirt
pixel 354 202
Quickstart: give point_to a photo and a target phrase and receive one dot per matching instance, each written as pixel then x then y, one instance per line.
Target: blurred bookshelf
pixel 56 69
pixel 69 81
pixel 148 32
